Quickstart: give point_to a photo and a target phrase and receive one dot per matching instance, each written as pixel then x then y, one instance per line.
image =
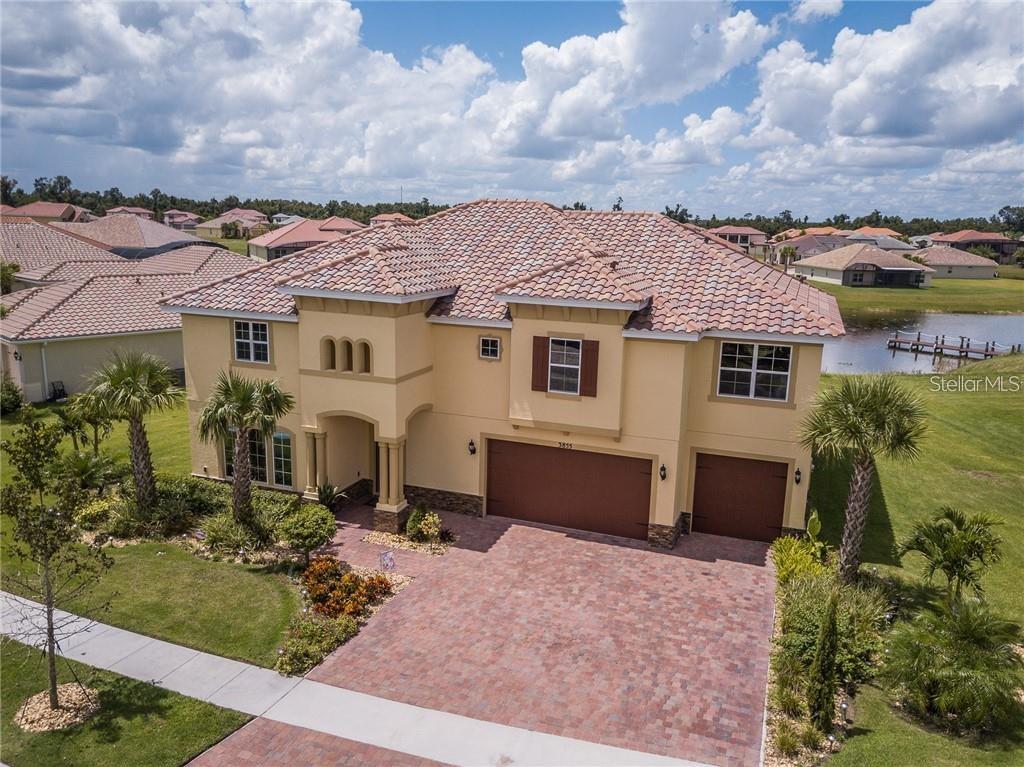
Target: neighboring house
pixel 52 211
pixel 250 223
pixel 876 231
pixel 808 245
pixel 615 372
pixel 390 218
pixel 281 219
pixel 789 234
pixel 950 263
pixel 883 241
pixel 297 236
pixel 923 240
pixel 130 236
pixel 747 237
pixel 76 315
pixel 33 245
pixel 864 265
pixel 131 210
pixel 966 239
pixel 181 219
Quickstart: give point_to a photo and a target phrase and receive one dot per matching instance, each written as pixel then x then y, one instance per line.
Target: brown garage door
pixel 571 488
pixel 739 497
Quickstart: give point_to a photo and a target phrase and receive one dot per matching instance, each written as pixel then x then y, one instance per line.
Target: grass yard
pixel 1011 272
pixel 240 246
pixel 138 723
pixel 1000 296
pixel 970 459
pixel 159 589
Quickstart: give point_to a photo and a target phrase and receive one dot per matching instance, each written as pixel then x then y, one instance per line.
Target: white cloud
pixel 808 10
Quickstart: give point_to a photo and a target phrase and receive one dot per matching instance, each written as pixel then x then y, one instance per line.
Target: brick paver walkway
pixel 574 634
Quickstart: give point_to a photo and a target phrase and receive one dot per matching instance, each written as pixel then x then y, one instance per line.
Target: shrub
pixel 308 527
pixel 860 619
pixel 90 471
pixel 123 520
pixel 311 638
pixel 810 737
pixel 430 527
pixel 957 665
pixel 787 701
pixel 227 537
pixel 319 578
pixel 412 525
pixel 821 678
pixel 446 536
pixel 788 668
pixel 786 740
pixel 793 557
pixel 199 497
pixel 95 514
pixel 327 494
pixel 11 396
pixel 333 592
pixel 270 507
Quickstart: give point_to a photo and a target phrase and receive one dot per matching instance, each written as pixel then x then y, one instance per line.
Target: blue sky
pixel 816 106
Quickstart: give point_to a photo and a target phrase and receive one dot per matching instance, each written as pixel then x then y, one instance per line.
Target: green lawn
pixel 1011 272
pixel 161 590
pixel 998 296
pixel 237 245
pixel 970 459
pixel 138 723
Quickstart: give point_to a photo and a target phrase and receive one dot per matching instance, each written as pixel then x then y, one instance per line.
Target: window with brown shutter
pixel 540 363
pixel 588 369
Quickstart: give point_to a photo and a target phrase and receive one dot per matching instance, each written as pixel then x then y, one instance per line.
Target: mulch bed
pixel 77 704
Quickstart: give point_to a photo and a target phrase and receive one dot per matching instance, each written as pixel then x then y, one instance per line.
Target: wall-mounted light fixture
pixel 797 476
pixel 472 447
pixel 17 356
pixel 663 472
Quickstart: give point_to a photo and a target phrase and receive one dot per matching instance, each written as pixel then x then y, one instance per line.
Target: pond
pixel 863 348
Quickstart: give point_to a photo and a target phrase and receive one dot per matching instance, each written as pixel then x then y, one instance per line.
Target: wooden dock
pixel 949 346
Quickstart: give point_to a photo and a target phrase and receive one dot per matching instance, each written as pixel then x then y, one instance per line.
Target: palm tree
pixel 961 547
pixel 238 406
pixel 861 418
pixel 95 414
pixel 132 385
pixel 72 425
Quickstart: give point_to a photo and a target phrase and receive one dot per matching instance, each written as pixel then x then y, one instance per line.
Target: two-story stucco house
pixel 609 371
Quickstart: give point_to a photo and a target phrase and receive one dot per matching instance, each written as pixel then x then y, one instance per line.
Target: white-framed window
pixel 282 443
pixel 758 371
pixel 490 348
pixel 252 341
pixel 857 278
pixel 564 355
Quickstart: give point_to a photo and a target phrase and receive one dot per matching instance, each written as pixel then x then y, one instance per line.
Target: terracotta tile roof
pixel 800 231
pixel 583 278
pixel 735 230
pixel 943 255
pixel 305 231
pixel 391 218
pixel 33 245
pixel 877 230
pixel 133 210
pixel 204 261
pixel 183 215
pixel 340 224
pixel 100 305
pixel 43 209
pixel 127 231
pixel 970 235
pixel 696 282
pixel 862 253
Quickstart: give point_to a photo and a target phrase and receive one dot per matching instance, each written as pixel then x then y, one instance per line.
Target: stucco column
pixel 310 462
pixel 321 458
pixel 382 472
pixel 393 472
pixel 401 472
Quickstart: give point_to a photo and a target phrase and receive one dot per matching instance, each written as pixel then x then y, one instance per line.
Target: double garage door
pixel 739 497
pixel 598 492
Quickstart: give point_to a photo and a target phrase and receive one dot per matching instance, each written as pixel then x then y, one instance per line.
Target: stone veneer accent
pixel 359 491
pixel 390 521
pixel 796 532
pixel 665 536
pixel 445 500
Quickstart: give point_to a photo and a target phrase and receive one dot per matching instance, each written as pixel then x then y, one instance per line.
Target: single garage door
pixel 572 488
pixel 739 497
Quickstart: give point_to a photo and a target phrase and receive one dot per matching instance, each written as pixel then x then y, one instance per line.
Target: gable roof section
pixel 728 229
pixel 583 280
pixel 128 232
pixel 694 281
pixel 33 245
pixel 305 231
pixel 882 241
pixel 970 235
pixel 878 230
pixel 943 255
pixel 844 258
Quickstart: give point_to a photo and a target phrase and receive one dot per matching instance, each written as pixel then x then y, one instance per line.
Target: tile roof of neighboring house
pixel 43 209
pixel 878 230
pixel 305 231
pixel 236 216
pixel 812 244
pixel 128 232
pixel 395 218
pixel 246 213
pixel 135 211
pixel 969 235
pixel 861 253
pixel 204 261
pixel 691 281
pixel 735 230
pixel 881 240
pixel 32 245
pixel 340 224
pixel 99 305
pixel 943 255
pixel 799 231
pixel 181 215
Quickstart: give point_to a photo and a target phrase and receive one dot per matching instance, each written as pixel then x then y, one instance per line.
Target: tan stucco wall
pixel 835 276
pixel 430 388
pixel 74 361
pixel 965 272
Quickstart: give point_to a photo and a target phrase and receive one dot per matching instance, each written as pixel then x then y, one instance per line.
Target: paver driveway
pixel 574 634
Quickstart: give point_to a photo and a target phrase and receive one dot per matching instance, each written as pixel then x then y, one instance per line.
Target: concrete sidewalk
pixel 437 735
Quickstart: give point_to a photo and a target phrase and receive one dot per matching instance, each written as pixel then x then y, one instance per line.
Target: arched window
pixel 364 360
pixel 328 355
pixel 346 356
